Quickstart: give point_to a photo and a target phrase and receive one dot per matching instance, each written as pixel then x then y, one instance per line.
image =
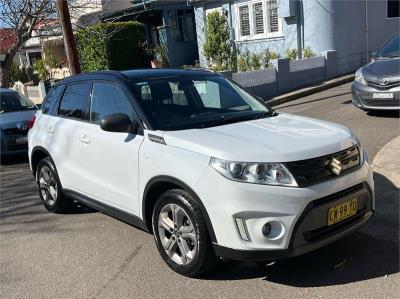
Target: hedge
pixel 112 46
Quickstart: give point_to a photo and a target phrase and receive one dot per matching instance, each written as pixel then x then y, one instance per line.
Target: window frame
pixel 253 35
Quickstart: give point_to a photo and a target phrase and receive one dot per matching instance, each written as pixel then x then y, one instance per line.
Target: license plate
pixel 342 211
pixel 21 140
pixel 382 96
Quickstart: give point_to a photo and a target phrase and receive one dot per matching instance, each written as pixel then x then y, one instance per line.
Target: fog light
pixel 242 229
pixel 266 229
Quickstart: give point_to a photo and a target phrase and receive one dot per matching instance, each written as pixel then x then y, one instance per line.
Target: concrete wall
pixel 328 25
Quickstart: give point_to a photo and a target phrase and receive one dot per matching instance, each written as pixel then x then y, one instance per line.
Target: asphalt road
pixel 87 254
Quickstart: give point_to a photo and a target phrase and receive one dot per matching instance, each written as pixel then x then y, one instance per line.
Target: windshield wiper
pixel 223 119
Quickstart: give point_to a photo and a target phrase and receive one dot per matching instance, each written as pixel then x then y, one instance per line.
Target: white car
pixel 203 165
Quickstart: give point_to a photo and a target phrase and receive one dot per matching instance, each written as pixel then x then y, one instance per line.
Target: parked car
pixel 202 164
pixel 377 85
pixel 15 112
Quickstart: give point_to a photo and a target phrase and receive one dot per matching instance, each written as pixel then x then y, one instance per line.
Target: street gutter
pixel 294 95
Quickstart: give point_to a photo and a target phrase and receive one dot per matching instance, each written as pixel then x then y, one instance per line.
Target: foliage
pixel 17 74
pixel 267 56
pixel 161 53
pixel 291 54
pixel 308 53
pixel 218 48
pixel 252 62
pixel 41 68
pixel 32 17
pixel 112 46
pixel 50 59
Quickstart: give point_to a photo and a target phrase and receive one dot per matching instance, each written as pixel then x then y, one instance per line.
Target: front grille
pixel 312 171
pixel 15 131
pixel 17 147
pixel 381 102
pixel 383 87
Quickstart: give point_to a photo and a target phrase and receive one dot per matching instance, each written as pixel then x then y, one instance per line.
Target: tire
pixel 188 232
pixel 49 187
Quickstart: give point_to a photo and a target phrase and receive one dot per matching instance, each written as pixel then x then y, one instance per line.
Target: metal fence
pixel 286 75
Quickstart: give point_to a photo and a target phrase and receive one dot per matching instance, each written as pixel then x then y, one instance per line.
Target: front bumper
pixel 300 212
pixel 310 231
pixel 363 99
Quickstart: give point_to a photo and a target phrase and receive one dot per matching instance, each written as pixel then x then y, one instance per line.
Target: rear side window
pixel 51 99
pixel 75 101
pixel 108 99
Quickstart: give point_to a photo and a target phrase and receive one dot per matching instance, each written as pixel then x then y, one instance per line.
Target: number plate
pixel 342 211
pixel 21 140
pixel 382 96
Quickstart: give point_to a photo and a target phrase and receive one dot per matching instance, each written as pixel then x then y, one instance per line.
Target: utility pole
pixel 69 40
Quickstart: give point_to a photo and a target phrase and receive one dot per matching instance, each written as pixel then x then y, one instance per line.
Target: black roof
pixel 138 74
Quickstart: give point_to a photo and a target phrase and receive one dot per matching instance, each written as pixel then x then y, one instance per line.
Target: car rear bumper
pixel 310 231
pixel 362 97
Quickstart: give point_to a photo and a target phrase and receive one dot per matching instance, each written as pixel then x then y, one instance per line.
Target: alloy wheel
pixel 177 234
pixel 47 185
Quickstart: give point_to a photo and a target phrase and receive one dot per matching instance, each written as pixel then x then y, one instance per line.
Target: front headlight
pixel 363 154
pixel 359 77
pixel 255 173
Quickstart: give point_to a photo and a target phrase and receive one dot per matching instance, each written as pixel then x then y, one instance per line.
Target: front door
pixel 111 158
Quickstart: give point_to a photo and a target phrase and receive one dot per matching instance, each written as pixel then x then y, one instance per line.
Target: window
pixel 244 18
pixel 195 101
pixel 273 20
pixel 11 101
pixel 392 48
pixel 75 101
pixel 51 99
pixel 182 25
pixel 108 99
pixel 259 19
pixel 393 8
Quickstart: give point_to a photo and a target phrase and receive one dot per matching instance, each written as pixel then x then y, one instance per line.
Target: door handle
pixel 84 139
pixel 50 130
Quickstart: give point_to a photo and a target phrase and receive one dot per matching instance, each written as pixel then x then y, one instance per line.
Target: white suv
pixel 206 167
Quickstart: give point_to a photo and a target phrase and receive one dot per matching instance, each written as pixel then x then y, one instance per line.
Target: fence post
pixel 282 66
pixel 331 63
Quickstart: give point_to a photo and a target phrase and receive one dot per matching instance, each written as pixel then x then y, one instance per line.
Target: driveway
pixel 86 254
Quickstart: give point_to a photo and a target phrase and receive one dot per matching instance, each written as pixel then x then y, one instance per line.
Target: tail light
pixel 31 122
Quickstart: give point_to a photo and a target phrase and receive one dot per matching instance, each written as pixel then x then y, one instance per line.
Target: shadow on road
pixel 371 252
pixel 382 113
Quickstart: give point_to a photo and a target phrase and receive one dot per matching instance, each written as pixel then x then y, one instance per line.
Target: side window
pixel 108 99
pixel 51 99
pixel 209 93
pixel 75 101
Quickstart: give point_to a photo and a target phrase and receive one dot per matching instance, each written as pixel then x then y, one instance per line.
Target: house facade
pixel 170 23
pixel 353 28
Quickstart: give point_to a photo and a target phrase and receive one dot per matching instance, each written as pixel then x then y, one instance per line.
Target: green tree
pixel 218 48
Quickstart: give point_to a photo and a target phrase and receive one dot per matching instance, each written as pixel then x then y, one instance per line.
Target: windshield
pixel 178 103
pixel 13 101
pixel 391 49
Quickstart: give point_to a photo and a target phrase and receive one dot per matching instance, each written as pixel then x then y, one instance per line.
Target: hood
pixel 382 68
pixel 282 138
pixel 12 119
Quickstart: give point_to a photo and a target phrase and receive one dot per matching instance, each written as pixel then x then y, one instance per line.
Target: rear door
pixel 65 131
pixel 111 159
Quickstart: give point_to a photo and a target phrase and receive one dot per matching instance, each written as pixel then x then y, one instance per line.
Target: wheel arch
pixel 38 153
pixel 160 184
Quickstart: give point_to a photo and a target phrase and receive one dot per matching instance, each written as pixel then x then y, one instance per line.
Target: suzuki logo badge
pixel 383 81
pixel 336 166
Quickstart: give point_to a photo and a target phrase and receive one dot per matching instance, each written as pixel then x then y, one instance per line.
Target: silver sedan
pixel 377 85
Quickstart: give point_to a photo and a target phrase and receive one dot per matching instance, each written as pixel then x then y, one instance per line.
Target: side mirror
pixel 373 55
pixel 119 123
